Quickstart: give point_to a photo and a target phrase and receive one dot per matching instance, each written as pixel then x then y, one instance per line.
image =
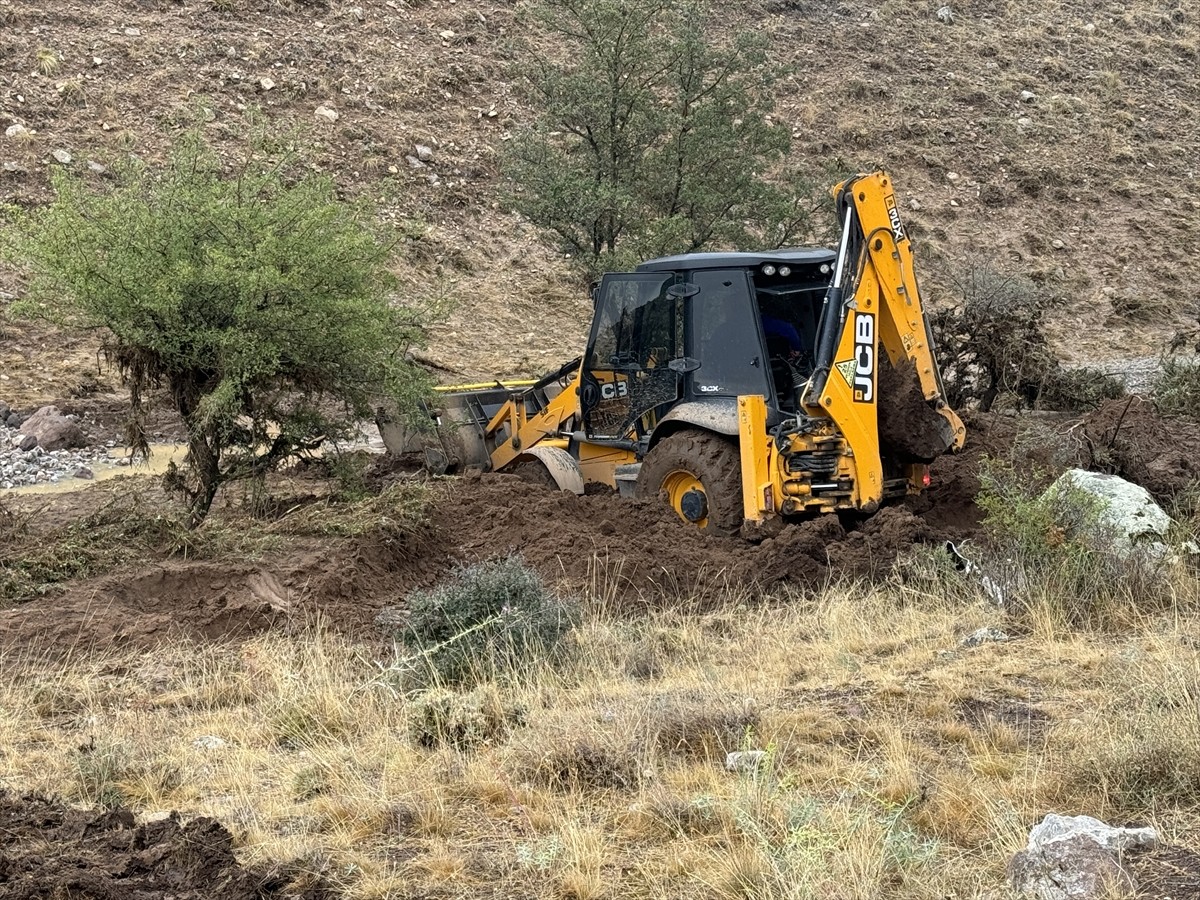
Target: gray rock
pixel 133 32
pixel 945 14
pixel 984 636
pixel 53 430
pixel 745 760
pixel 1028 96
pixel 1077 858
pixel 328 113
pixel 208 742
pixel 96 168
pixel 15 419
pixel 413 162
pixel 62 156
pixel 424 152
pixel 16 130
pixel 83 472
pixel 5 409
pixel 26 443
pixel 1128 515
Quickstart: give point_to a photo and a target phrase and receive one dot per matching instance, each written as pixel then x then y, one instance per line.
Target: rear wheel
pixel 534 471
pixel 699 475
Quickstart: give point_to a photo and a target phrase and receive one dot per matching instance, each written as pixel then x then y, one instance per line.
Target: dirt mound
pixel 1129 437
pixel 342 583
pixel 47 850
pixel 641 550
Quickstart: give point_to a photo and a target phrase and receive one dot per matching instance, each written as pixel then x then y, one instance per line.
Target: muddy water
pixel 161 455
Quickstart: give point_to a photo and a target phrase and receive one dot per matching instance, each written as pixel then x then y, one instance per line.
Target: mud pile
pixel 49 851
pixel 1128 437
pixel 631 553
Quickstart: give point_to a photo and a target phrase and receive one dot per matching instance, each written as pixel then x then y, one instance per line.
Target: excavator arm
pixel 875 374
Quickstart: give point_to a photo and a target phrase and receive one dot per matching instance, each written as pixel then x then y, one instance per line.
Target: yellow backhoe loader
pixel 741 388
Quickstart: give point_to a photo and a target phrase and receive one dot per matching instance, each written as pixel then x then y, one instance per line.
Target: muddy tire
pixel 699 475
pixel 534 471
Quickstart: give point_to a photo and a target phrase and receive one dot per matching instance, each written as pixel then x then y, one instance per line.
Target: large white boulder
pixel 1126 513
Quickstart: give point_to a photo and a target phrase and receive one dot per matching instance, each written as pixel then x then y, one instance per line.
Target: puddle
pixel 108 468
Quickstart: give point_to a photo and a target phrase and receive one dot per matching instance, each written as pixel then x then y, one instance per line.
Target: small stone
pixel 266 84
pixel 945 14
pixel 328 113
pixel 914 204
pixel 356 12
pixel 62 156
pixel 1028 96
pixel 27 442
pixel 984 636
pixel 414 163
pixel 83 472
pixel 10 166
pixel 208 742
pixel 952 176
pixel 5 409
pixel 424 152
pixel 446 35
pixel 745 760
pixel 954 203
pixel 1089 27
pixel 124 461
pixel 15 419
pixel 160 815
pixel 16 130
pixel 1057 244
pixel 97 61
pixel 133 32
pixel 96 168
pixel 1024 122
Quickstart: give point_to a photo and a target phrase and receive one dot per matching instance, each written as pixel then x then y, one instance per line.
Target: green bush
pixel 1073 389
pixel 490 618
pixel 442 717
pixel 1051 556
pixel 1177 387
pixel 261 299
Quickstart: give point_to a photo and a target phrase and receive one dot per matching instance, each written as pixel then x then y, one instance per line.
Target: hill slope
pixel 1054 140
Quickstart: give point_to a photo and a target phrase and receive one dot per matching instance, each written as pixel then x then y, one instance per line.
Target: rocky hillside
pixel 1053 139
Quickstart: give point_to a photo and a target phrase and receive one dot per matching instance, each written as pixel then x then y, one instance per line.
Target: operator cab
pixel 701 328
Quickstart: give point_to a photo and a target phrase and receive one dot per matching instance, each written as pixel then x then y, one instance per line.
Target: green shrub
pixel 1177 388
pixel 1053 558
pixel 489 618
pixel 442 717
pixel 1074 389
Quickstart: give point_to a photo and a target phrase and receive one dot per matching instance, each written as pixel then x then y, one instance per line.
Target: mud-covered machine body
pixel 744 388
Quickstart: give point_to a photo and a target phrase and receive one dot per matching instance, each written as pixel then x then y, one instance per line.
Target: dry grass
pixel 898 763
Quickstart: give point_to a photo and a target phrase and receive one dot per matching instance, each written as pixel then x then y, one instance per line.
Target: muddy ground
pixel 632 553
pixel 50 851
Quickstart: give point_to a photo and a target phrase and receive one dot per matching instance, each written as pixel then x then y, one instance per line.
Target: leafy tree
pixel 651 137
pixel 259 299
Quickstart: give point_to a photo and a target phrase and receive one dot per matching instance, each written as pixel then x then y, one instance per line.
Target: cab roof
pixel 794 256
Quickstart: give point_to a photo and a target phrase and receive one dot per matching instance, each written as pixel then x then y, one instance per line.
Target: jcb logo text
pixel 864 358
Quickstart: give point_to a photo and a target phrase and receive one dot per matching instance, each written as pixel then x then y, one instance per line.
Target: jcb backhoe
pixel 742 388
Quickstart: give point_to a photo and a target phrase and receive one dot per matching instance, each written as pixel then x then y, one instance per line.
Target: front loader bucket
pixel 452 438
